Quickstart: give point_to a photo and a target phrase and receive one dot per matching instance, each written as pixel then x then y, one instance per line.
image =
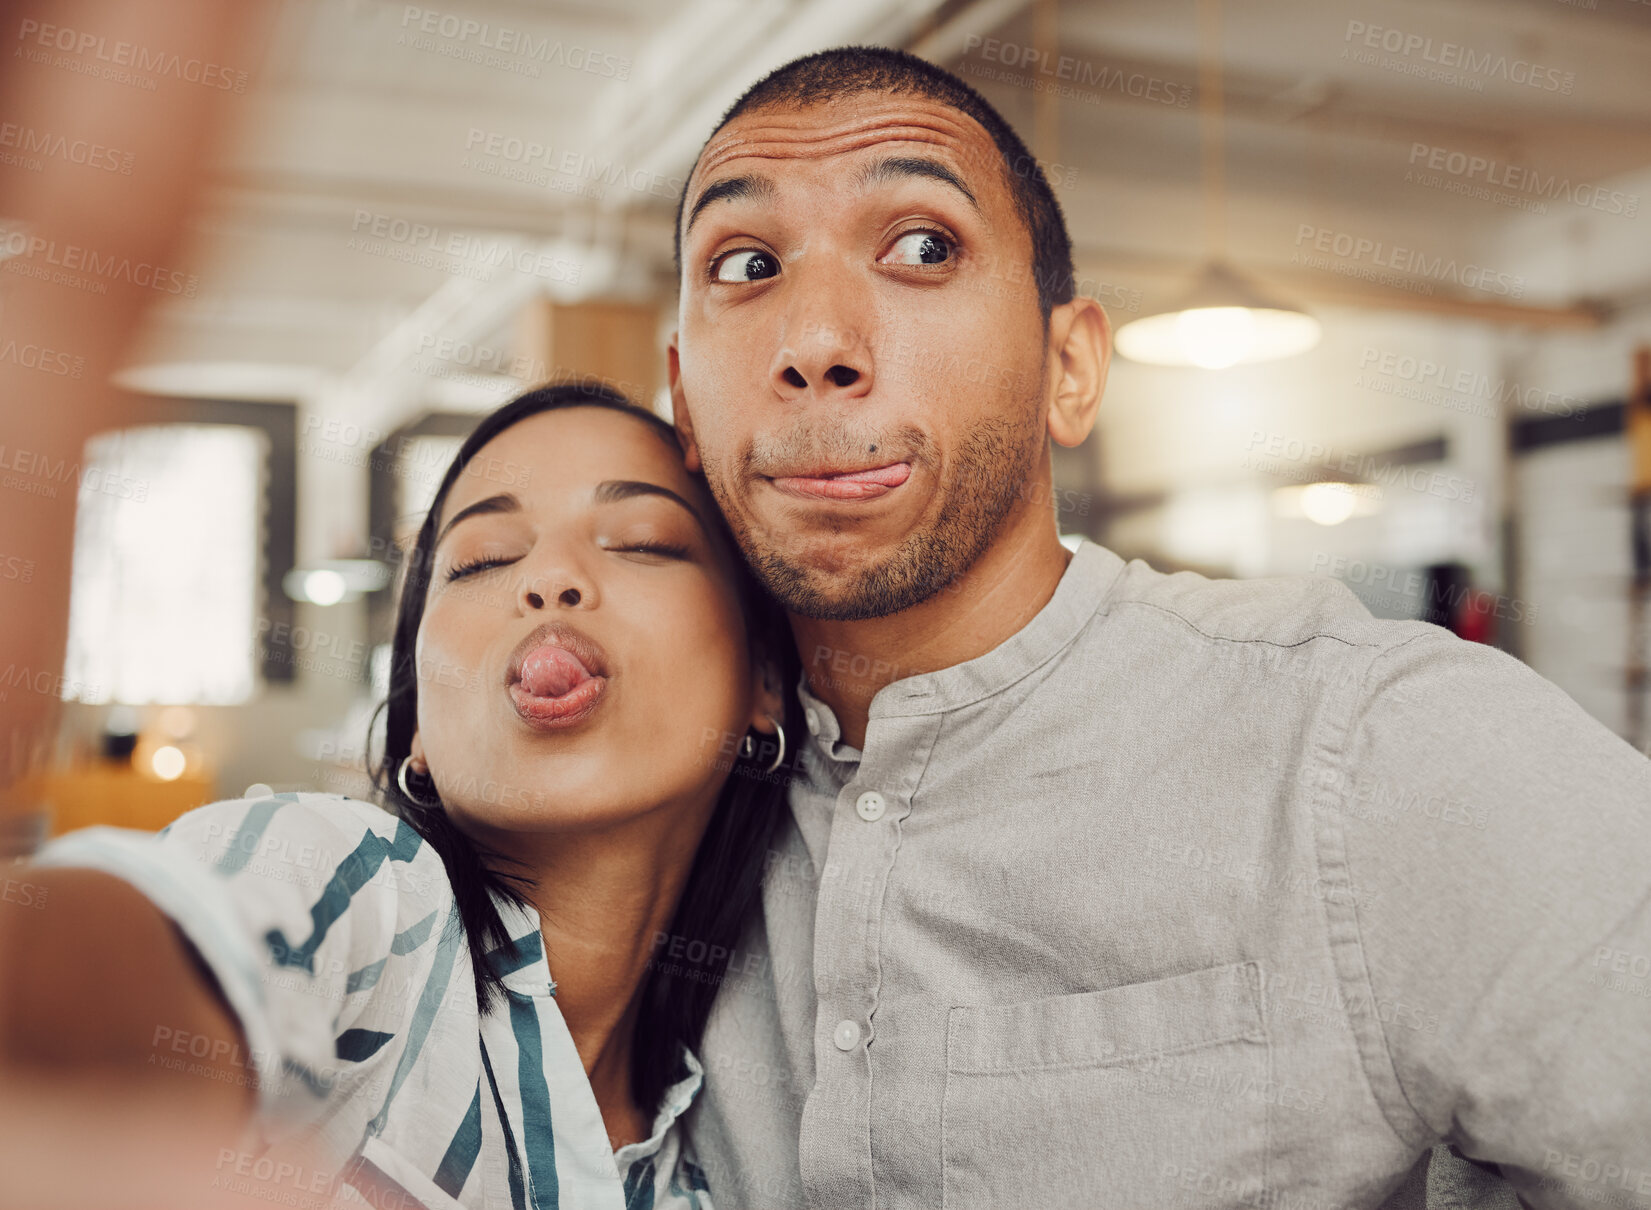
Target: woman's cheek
pixel 447 681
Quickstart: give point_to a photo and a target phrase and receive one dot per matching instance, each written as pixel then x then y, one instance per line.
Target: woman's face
pixel 582 659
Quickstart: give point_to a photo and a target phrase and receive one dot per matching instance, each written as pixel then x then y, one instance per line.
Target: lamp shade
pixel 1224 320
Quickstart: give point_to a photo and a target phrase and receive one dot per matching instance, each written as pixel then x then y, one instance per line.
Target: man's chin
pixel 841 581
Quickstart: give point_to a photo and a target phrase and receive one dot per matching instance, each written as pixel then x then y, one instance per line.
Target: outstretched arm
pixel 99 982
pixel 1512 918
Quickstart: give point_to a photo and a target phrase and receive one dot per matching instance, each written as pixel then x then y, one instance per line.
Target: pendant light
pixel 1224 319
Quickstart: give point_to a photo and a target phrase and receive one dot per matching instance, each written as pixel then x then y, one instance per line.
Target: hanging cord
pixel 1209 121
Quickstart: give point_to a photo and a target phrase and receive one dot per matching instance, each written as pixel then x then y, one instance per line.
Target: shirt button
pixel 870 806
pixel 846 1035
pixel 812 716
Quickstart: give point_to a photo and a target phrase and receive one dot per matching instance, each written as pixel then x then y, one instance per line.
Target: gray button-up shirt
pixel 1195 893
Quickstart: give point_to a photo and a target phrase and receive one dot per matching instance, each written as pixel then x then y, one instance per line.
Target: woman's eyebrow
pixel 504 502
pixel 611 491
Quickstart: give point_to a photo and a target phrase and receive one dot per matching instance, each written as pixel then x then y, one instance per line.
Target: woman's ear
pixel 415 750
pixel 767 695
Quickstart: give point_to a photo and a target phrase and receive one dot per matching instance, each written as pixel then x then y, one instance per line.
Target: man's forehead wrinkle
pixel 796 149
pixel 783 140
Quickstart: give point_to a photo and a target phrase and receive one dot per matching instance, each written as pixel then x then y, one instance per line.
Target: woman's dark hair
pixel 725 881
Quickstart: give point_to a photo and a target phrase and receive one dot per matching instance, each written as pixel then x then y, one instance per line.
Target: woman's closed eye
pixel 474 566
pixel 650 547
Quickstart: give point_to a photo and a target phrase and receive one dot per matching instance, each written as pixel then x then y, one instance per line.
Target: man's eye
pixel 746 265
pixel 919 248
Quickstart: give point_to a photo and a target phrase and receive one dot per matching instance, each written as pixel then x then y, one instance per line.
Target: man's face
pixel 860 354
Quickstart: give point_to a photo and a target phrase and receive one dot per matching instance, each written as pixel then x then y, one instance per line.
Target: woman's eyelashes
pixel 473 566
pixel 650 546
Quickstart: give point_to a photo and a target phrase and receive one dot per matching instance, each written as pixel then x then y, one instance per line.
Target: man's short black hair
pixel 849 70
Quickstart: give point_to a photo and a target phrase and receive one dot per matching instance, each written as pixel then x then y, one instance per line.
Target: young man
pixel 1104 887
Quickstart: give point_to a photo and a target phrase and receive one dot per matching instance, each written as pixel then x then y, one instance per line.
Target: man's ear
pixel 1080 345
pixel 679 408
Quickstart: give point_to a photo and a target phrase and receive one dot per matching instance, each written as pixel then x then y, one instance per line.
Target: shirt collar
pixel 678 1097
pixel 525 970
pixel 824 731
pixel 522 968
pixel 1084 590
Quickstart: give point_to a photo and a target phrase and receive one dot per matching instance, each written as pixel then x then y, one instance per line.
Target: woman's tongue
pixel 552 672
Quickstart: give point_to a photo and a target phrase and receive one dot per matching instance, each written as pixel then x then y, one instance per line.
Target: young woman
pixel 490 994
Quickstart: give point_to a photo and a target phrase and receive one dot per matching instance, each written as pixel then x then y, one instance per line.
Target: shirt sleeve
pixel 321 918
pixel 1498 842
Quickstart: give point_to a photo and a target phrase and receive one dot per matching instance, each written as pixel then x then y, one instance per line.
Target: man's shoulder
pixel 1278 611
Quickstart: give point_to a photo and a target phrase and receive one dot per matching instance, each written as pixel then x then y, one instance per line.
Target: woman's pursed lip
pixel 569 710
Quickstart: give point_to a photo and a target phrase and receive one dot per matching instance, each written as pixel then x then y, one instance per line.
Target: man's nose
pixel 823 359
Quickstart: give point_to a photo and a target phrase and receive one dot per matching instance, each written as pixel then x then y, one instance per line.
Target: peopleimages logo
pixel 1423 54
pixel 1373 255
pixel 26 140
pixel 517 158
pixel 461 253
pixel 1492 174
pixel 87 268
pixel 37 357
pixel 1409 377
pixel 1063 74
pixel 475 38
pixel 81 44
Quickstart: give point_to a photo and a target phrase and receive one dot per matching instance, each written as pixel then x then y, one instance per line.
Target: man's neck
pixel 848 662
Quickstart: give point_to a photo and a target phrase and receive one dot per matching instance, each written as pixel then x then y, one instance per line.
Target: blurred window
pixel 424 459
pixel 168 547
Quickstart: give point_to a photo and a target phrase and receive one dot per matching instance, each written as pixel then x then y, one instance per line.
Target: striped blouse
pixel 333 933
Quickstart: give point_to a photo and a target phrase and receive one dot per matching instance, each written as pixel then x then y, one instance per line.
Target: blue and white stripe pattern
pixel 331 928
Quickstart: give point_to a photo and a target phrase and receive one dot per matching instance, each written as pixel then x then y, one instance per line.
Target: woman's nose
pixel 565 586
pixel 568 596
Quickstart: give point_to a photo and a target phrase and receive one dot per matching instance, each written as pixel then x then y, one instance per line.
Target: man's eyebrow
pixel 900 166
pixel 504 502
pixel 612 491
pixel 757 188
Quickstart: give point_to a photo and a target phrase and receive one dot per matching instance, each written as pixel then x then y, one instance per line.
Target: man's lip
pixel 558 634
pixel 866 483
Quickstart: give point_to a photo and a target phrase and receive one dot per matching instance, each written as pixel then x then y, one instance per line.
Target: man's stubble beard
pixel 988 475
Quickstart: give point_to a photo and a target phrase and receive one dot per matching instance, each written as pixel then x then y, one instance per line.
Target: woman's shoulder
pixel 317 833
pixel 316 808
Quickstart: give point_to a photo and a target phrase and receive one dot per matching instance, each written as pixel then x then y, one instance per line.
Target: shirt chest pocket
pixel 1142 1095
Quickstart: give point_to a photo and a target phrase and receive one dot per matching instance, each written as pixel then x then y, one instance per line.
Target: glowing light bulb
pixel 168 763
pixel 1328 503
pixel 1215 337
pixel 324 586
